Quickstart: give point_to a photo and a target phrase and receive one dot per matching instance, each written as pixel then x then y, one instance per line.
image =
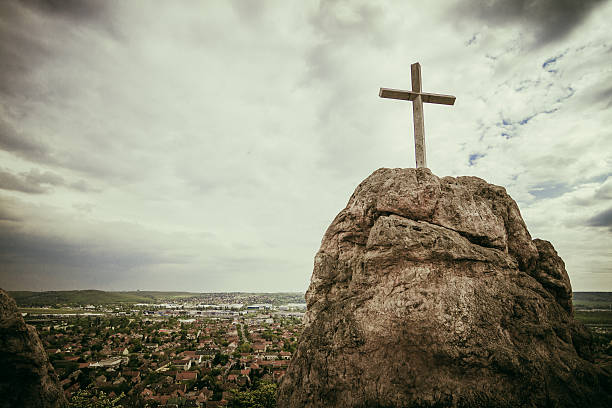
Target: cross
pixel 417 97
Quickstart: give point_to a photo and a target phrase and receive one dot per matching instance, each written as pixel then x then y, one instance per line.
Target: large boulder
pixel 27 379
pixel 430 292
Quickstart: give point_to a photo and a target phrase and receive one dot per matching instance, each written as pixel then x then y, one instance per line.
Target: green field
pixel 90 297
pixel 595 318
pixel 592 300
pixel 63 310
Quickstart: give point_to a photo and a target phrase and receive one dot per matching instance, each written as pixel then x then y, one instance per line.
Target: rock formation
pixel 27 379
pixel 430 292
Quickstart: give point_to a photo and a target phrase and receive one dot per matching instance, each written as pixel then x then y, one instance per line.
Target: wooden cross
pixel 417 97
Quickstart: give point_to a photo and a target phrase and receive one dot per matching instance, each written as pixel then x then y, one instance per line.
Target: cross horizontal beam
pixel 411 96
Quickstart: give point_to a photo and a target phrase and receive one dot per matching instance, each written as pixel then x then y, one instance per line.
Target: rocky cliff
pixel 27 379
pixel 430 292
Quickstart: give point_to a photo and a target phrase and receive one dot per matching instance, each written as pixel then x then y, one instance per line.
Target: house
pixel 134 375
pixel 193 356
pixel 184 363
pixel 201 398
pixel 259 347
pixel 186 376
pixel 146 393
pixel 162 399
pixel 119 380
pixel 278 374
pixel 285 355
pixel 109 362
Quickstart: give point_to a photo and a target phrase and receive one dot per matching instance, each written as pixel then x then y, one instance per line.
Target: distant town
pixel 179 349
pixel 185 350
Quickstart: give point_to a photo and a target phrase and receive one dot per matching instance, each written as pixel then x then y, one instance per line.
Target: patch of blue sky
pixel 471 40
pixel 570 92
pixel 474 157
pixel 508 128
pixel 548 65
pixel 527 84
pixel 549 61
pixel 549 190
pixel 599 179
pixel 526 119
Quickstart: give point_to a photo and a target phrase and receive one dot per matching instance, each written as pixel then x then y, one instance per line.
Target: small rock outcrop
pixel 27 378
pixel 430 292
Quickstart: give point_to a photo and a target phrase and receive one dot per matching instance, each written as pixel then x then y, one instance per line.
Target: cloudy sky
pixel 206 146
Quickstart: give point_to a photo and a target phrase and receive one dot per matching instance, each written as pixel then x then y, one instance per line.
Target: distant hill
pixel 79 297
pixel 99 297
pixel 592 300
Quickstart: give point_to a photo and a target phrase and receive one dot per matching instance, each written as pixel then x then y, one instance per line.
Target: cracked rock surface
pixel 431 292
pixel 27 378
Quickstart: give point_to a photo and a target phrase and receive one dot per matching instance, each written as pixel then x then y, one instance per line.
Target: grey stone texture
pixel 430 292
pixel 27 379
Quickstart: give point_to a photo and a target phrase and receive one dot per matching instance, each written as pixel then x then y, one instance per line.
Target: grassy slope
pixel 85 297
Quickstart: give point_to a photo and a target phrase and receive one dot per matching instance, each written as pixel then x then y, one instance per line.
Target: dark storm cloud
pixel 249 11
pixel 603 219
pixel 604 192
pixel 553 19
pixel 37 182
pixel 24 240
pixel 17 246
pixel 77 9
pixel 9 181
pixel 37 177
pixel 22 145
pixel 83 187
pixel 366 25
pixel 604 96
pixel 24 44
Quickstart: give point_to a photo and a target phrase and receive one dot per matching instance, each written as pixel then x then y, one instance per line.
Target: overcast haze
pixel 206 146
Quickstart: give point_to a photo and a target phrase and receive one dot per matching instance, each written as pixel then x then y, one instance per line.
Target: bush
pixel 262 397
pixel 93 399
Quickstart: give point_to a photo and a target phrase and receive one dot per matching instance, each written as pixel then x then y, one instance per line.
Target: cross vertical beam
pixel 417 112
